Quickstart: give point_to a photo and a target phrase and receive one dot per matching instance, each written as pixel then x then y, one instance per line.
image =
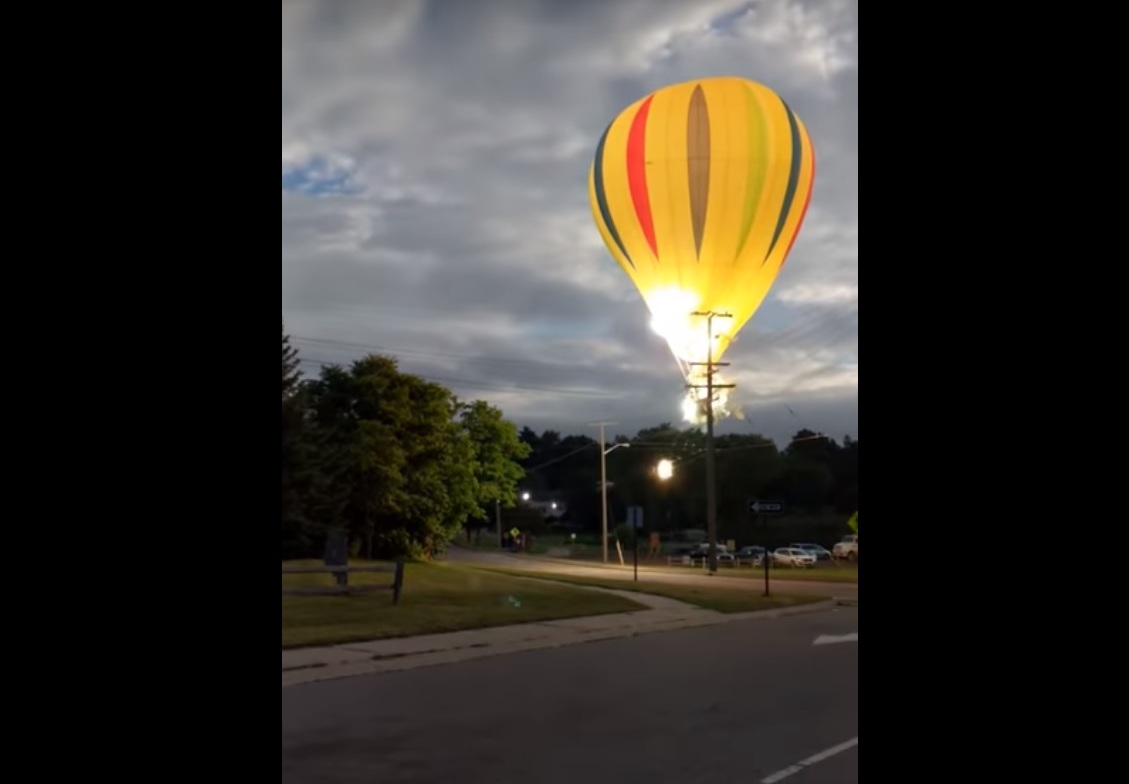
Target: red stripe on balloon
pixel 807 201
pixel 637 173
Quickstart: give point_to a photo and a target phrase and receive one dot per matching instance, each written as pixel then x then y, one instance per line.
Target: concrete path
pixel 305 665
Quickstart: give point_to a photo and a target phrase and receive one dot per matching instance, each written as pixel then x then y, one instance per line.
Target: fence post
pixel 398 580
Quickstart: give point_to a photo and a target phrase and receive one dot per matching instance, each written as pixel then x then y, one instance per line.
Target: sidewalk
pixel 306 665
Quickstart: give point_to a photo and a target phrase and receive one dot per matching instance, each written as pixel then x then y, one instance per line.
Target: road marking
pixel 780 775
pixel 831 639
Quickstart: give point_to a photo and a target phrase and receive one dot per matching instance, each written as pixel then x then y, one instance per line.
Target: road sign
pixel 766 507
pixel 515 532
pixel 635 516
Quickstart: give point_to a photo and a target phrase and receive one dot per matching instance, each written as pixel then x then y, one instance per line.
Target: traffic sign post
pixel 767 555
pixel 760 510
pixel 635 520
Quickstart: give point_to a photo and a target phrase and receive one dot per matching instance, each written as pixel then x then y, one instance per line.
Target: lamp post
pixel 604 489
pixel 664 470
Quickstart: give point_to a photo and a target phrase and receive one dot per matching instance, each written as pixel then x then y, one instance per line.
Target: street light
pixel 664 469
pixel 525 496
pixel 604 489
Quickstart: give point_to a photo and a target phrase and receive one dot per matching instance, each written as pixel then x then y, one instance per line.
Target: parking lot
pixel 793 556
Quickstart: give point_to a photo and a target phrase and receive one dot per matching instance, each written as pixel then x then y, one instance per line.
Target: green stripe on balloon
pixel 754 187
pixel 793 178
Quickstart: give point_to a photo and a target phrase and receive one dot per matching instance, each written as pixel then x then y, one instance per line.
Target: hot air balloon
pixel 699 190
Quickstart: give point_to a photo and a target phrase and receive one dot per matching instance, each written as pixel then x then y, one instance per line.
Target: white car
pixel 793 556
pixel 847 548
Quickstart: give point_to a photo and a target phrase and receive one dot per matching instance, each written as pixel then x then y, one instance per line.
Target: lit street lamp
pixel 664 469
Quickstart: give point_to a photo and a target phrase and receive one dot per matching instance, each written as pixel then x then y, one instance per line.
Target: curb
pixel 297 676
pixel 312 673
pixel 781 612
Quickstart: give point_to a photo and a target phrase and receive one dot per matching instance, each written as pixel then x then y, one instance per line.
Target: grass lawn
pixel 723 600
pixel 436 598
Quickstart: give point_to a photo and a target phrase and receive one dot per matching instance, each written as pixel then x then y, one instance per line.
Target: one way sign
pixel 766 507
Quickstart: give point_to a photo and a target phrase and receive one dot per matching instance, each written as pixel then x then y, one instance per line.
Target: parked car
pixel 702 551
pixel 847 548
pixel 820 552
pixel 754 554
pixel 793 556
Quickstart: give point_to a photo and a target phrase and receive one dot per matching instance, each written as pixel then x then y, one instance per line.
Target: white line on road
pixel 780 775
pixel 831 639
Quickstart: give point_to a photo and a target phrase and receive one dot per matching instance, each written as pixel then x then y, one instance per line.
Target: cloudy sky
pixel 435 156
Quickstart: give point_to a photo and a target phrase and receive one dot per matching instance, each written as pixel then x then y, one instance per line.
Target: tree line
pixel 815 476
pixel 402 465
pixel 397 462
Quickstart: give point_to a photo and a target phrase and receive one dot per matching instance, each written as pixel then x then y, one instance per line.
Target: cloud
pixel 435 158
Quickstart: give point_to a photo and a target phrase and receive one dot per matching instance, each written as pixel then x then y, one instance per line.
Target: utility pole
pixel 603 487
pixel 498 519
pixel 711 466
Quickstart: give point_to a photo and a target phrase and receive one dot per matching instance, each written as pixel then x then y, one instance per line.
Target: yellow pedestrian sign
pixel 853 523
pixel 515 532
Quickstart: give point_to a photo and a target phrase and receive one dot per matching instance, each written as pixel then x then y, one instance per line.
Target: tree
pixel 845 470
pixel 498 451
pixel 567 470
pixel 291 375
pixel 810 475
pixel 303 504
pixel 407 465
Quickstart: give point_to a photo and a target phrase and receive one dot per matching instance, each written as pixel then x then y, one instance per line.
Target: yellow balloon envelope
pixel 699 190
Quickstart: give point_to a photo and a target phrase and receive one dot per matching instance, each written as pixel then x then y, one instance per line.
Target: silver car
pixel 793 556
pixel 820 552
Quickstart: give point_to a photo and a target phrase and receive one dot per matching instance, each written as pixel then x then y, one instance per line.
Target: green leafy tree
pixel 498 452
pixel 306 508
pixel 291 375
pixel 816 477
pixel 407 466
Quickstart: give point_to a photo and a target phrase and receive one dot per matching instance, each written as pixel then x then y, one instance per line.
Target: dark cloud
pixel 465 244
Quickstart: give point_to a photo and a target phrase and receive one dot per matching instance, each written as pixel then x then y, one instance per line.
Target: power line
pixel 555 460
pixel 803 328
pixel 434 354
pixel 485 385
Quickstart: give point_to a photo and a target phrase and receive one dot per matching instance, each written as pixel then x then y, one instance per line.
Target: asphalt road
pixel 691 576
pixel 736 702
